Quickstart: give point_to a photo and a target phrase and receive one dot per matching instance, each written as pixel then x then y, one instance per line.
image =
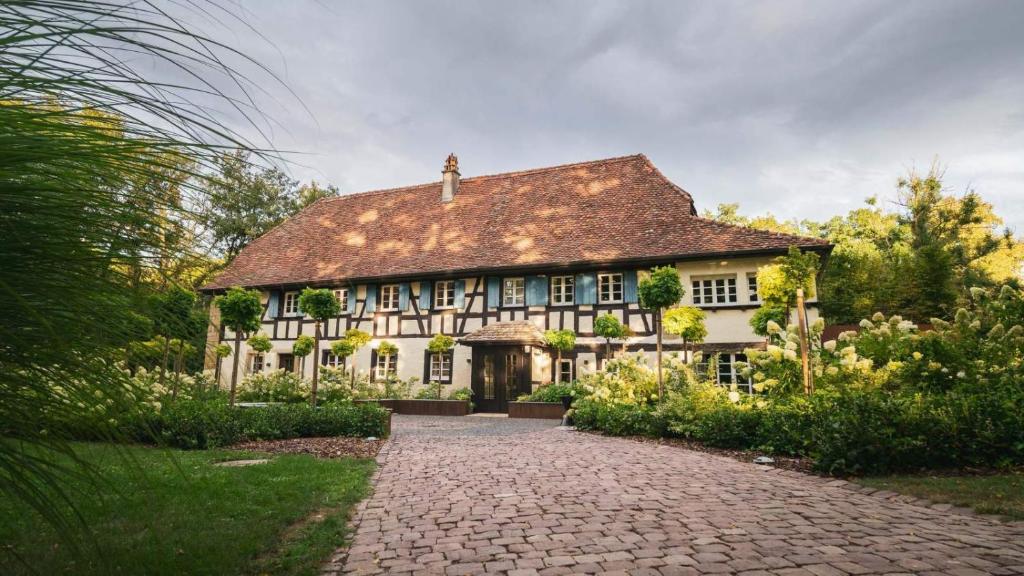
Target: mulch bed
pixel 805 465
pixel 334 447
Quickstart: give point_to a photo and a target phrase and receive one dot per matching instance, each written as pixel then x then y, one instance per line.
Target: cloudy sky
pixel 799 108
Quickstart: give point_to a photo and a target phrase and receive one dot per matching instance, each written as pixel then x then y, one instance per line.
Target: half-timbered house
pixel 494 261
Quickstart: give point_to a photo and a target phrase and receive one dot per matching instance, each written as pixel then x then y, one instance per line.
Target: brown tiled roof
pixel 603 211
pixel 513 332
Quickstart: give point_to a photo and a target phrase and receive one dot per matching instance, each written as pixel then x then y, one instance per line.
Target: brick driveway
pixel 479 495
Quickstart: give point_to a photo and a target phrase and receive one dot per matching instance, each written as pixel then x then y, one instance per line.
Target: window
pixel 727 371
pixel 511 376
pixel 752 287
pixel 563 290
pixel 488 377
pixel 609 288
pixel 389 297
pixel 342 295
pixel 440 367
pixel 291 303
pixel 514 293
pixel 387 365
pixel 333 361
pixel 714 291
pixel 565 374
pixel 255 363
pixel 444 294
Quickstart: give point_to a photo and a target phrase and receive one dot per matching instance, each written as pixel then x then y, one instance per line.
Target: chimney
pixel 450 178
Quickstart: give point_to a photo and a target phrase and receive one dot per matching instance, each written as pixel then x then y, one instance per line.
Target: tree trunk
pixel 661 383
pixel 234 369
pixel 801 320
pixel 216 372
pixel 607 350
pixel 163 363
pixel 178 360
pixel 316 348
pixel 353 370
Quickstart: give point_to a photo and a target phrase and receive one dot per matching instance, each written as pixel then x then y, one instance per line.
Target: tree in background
pixel 609 327
pixel 662 289
pixel 172 311
pixel 309 194
pixel 321 305
pixel 240 312
pixel 687 322
pixel 302 347
pixel 357 338
pixel 778 282
pixel 194 329
pixel 562 341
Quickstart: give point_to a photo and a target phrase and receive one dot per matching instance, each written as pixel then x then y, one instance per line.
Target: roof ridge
pixel 613 159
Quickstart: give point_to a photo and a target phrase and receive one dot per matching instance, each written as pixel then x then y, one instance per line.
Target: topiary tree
pixel 321 305
pixel 441 343
pixel 607 326
pixel 303 345
pixel 658 291
pixel 357 338
pixel 386 348
pixel 763 315
pixel 240 311
pixel 687 322
pixel 561 341
pixel 260 343
pixel 221 351
pixel 777 283
pixel 344 349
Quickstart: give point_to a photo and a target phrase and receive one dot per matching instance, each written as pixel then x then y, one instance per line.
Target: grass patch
pixel 1001 494
pixel 174 512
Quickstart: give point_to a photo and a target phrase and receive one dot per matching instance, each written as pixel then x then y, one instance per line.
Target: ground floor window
pixel 727 372
pixel 332 361
pixel 255 362
pixel 387 365
pixel 440 367
pixel 565 371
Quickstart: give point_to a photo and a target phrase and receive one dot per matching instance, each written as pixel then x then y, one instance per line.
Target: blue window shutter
pixel 371 298
pixel 425 291
pixel 460 294
pixel 272 305
pixel 586 288
pixel 403 296
pixel 493 292
pixel 352 299
pixel 629 286
pixel 536 291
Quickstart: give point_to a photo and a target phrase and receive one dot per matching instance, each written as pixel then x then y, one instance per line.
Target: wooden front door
pixel 286 362
pixel 500 374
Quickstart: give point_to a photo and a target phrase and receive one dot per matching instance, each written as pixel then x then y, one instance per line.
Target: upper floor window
pixel 342 295
pixel 387 365
pixel 291 303
pixel 440 367
pixel 389 297
pixel 563 290
pixel 514 293
pixel 444 294
pixel 714 290
pixel 752 287
pixel 609 288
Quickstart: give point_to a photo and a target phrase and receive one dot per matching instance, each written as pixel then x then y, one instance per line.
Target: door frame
pixel 498 356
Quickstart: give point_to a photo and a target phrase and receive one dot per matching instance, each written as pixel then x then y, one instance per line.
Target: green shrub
pixel 276 386
pixel 617 419
pixel 553 393
pixel 462 394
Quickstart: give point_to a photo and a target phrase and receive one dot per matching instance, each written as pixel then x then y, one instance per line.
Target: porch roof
pixel 511 332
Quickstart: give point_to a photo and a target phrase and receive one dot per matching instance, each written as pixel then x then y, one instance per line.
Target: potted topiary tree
pixel 658 291
pixel 357 338
pixel 240 311
pixel 321 305
pixel 344 349
pixel 303 345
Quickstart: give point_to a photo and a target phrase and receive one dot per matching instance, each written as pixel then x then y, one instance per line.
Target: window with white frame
pixel 565 372
pixel 563 290
pixel 752 287
pixel 291 303
pixel 720 290
pixel 333 361
pixel 609 288
pixel 387 365
pixel 255 362
pixel 514 292
pixel 342 295
pixel 440 367
pixel 444 294
pixel 727 371
pixel 389 297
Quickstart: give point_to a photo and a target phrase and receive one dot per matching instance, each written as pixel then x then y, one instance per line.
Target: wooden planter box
pixel 425 407
pixel 551 410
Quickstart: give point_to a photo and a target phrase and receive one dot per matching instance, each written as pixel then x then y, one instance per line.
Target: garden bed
pixel 424 407
pixel 334 447
pixel 550 410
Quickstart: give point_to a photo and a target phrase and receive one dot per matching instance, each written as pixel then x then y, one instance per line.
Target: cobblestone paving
pixel 480 495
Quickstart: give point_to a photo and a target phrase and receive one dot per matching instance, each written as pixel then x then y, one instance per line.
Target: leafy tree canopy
pixel 686 322
pixel 759 320
pixel 561 340
pixel 342 348
pixel 441 343
pixel 661 289
pixel 260 343
pixel 386 348
pixel 303 345
pixel 358 338
pixel 608 326
pixel 319 303
pixel 240 309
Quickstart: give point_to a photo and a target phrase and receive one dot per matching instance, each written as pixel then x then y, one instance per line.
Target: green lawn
pixel 1001 494
pixel 173 512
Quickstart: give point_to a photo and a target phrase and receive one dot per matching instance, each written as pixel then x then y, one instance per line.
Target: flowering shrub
pixel 276 386
pixel 623 381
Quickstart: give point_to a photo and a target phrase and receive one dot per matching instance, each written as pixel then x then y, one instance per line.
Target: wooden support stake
pixel 801 320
